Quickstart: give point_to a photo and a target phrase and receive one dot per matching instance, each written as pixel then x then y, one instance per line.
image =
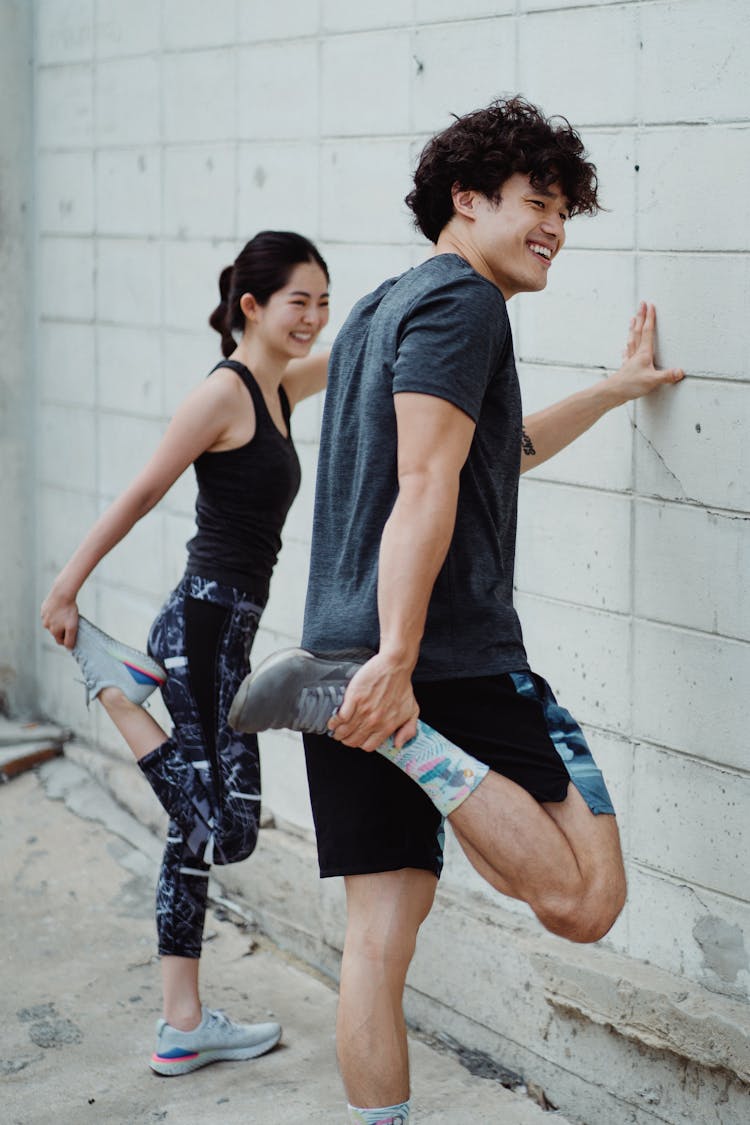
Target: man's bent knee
pixel 584 918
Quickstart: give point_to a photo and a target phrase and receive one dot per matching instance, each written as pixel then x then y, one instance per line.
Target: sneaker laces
pixel 89 679
pixel 217 1018
pixel 316 706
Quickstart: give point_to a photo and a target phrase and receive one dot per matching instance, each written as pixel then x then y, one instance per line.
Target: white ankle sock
pixel 386 1115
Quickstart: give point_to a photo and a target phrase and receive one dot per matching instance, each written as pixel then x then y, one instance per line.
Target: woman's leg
pixel 235 757
pixel 181 897
pixel 139 729
pixel 178 769
pixel 202 635
pixel 210 661
pixel 181 774
pixel 182 1005
pixel 191 1036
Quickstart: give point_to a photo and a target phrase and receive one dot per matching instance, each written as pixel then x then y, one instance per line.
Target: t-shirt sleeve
pixel 451 343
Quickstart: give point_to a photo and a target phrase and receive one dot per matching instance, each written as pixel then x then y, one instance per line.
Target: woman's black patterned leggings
pixel 207 776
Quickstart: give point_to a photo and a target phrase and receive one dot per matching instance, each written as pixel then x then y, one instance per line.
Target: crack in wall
pixel 661 460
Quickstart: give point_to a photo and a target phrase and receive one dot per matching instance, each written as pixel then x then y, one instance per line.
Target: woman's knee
pixel 235 845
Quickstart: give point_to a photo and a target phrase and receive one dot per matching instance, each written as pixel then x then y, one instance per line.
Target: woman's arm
pixel 552 429
pixel 305 377
pixel 197 425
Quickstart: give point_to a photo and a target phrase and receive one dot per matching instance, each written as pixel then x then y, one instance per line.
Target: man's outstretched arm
pixel 548 431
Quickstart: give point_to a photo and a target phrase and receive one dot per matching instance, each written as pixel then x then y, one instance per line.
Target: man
pixel 412 559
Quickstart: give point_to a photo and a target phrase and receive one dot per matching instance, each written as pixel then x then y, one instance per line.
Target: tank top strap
pixel 262 415
pixel 286 409
pixel 256 394
pixel 245 375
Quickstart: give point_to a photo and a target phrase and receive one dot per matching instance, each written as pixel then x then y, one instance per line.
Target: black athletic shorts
pixel 369 816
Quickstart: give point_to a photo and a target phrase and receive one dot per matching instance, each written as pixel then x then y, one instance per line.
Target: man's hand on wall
pixel 639 375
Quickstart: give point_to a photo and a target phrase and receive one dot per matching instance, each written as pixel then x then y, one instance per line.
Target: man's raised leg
pixel 560 858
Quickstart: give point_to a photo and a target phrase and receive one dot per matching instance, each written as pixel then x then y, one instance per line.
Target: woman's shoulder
pixel 220 396
pixel 227 382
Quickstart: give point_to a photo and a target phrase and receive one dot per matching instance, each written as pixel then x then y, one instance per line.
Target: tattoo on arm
pixel 527 445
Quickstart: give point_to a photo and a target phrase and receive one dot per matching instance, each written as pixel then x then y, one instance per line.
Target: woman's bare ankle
pixel 139 729
pixel 114 699
pixel 183 1018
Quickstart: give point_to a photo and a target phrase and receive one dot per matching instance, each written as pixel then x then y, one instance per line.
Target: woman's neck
pixel 268 369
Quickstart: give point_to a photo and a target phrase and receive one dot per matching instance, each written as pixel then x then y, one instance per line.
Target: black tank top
pixel 244 495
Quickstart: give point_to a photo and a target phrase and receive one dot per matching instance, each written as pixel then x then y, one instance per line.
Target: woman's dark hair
pixel 262 267
pixel 481 150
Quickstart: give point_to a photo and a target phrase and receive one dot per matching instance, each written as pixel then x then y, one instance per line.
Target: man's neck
pixel 450 241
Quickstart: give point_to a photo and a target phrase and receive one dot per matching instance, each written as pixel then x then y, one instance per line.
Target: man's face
pixel 519 237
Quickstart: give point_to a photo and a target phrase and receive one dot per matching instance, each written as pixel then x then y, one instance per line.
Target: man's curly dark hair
pixel 481 150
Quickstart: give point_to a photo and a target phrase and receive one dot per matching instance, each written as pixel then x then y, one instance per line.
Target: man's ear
pixel 249 306
pixel 464 201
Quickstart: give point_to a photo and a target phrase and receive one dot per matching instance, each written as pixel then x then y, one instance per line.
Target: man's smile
pixel 541 251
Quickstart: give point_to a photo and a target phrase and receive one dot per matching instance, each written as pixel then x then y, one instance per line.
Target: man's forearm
pixel 548 431
pixel 415 542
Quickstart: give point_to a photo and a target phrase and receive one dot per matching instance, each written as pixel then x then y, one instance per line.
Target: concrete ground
pixel 79 989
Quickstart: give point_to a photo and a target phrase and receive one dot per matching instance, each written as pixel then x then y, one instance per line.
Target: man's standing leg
pixel 384 913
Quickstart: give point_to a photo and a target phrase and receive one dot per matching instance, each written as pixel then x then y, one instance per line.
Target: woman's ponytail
pixel 220 318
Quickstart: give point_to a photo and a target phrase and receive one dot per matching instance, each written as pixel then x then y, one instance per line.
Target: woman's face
pixel 294 316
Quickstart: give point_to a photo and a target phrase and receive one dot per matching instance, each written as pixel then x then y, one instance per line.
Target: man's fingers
pixel 378 701
pixel 353 698
pixel 630 343
pixel 353 723
pixel 343 714
pixel 649 326
pixel 635 334
pixel 367 731
pixel 360 736
pixel 404 733
pixel 673 375
pixel 370 735
pixel 361 732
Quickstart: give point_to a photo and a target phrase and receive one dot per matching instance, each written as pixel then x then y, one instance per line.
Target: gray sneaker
pixel 215 1038
pixel 294 690
pixel 107 663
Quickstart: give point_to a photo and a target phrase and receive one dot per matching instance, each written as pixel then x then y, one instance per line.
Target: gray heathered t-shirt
pixel 439 329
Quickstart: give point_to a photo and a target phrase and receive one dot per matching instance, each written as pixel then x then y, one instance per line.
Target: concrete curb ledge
pixel 653 1008
pixel 608 1039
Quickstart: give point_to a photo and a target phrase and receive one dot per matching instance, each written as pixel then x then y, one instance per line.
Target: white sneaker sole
pixel 184 1064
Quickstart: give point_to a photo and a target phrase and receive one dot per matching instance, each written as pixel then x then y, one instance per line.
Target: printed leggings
pixel 206 775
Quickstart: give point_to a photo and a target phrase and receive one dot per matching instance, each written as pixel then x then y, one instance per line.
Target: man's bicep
pixel 433 435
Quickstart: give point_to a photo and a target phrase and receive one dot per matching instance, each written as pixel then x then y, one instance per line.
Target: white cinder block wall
pixel 168 132
pixel 17 642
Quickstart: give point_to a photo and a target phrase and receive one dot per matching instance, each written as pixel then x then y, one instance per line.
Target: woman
pixel 234 427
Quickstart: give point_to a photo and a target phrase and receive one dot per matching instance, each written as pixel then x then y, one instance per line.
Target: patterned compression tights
pixel 206 776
